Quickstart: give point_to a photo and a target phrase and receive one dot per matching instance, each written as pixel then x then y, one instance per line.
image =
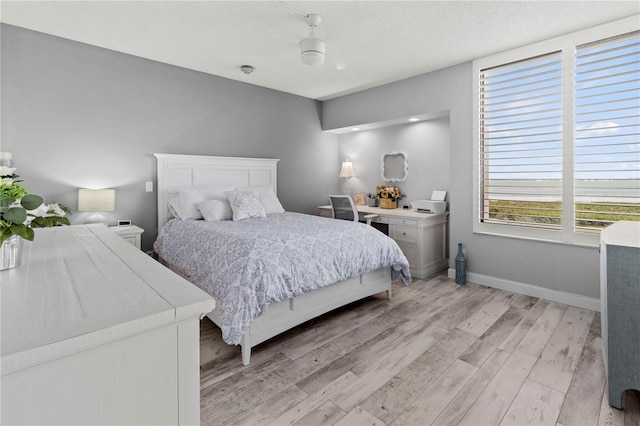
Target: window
pixel 607 132
pixel 558 136
pixel 521 142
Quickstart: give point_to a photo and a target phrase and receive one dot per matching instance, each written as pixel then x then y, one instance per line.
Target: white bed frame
pixel 176 171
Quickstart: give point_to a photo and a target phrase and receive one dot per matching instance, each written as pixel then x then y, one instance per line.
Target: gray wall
pixel 74 115
pixel 79 116
pixel 567 268
pixel 425 143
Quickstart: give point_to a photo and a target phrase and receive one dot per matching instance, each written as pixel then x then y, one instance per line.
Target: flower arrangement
pixel 392 192
pixel 20 211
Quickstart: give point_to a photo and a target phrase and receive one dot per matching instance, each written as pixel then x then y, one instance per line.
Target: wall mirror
pixel 395 167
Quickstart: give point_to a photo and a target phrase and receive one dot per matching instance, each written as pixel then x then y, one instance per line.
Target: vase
pixel 388 203
pixel 11 253
pixel 461 267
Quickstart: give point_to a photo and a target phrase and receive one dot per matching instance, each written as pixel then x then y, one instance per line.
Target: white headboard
pixel 175 170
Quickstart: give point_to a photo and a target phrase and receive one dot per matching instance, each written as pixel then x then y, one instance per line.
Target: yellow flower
pixel 392 192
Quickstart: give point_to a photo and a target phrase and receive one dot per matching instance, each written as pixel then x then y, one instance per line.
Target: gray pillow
pixel 245 205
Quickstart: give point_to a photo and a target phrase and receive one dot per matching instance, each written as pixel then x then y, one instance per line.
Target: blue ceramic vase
pixel 461 267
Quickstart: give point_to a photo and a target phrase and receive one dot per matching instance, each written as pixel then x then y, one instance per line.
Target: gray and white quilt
pixel 249 264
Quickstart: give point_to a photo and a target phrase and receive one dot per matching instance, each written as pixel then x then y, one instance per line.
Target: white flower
pixel 55 210
pixel 39 211
pixel 5 171
pixel 6 181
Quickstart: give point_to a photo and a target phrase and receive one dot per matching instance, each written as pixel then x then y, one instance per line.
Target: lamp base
pixel 98 218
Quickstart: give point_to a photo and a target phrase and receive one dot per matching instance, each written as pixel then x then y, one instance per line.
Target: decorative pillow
pixel 269 200
pixel 245 205
pixel 215 210
pixel 175 208
pixel 190 196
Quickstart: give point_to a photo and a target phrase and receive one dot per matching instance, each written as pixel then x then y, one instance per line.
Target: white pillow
pixel 190 196
pixel 269 200
pixel 245 205
pixel 215 210
pixel 175 208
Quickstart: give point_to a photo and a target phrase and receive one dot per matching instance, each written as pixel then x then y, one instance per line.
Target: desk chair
pixel 343 207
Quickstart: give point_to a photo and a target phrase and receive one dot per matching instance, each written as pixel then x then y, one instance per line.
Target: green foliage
pixel 31 202
pixel 49 221
pixel 15 215
pixel 20 212
pixel 20 230
pixel 13 190
pixel 5 200
pixel 588 215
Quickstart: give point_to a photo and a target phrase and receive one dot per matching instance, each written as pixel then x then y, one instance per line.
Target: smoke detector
pixel 247 69
pixel 312 48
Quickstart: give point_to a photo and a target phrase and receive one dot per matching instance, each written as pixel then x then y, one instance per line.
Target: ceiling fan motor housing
pixel 312 51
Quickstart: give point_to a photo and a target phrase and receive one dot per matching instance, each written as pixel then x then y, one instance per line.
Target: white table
pixel 421 236
pixel 96 332
pixel 131 233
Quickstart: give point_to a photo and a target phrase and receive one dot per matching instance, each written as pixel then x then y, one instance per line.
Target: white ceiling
pixel 369 43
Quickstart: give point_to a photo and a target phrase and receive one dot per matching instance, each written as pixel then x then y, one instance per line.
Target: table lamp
pixel 97 201
pixel 347 172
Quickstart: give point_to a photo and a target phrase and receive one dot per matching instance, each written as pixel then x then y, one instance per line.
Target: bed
pixel 273 272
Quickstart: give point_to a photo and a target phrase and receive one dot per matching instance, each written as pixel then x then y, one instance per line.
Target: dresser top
pixel 624 233
pixel 82 286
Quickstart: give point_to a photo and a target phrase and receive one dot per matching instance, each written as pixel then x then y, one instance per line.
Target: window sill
pixel 545 236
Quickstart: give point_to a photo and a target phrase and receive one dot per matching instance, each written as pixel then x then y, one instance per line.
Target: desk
pixel 421 236
pixel 94 331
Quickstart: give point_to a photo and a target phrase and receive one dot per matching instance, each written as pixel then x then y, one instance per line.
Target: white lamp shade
pixel 347 170
pixel 96 200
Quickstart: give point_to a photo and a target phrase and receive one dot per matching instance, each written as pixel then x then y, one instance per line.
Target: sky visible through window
pixel 522 120
pixel 607 111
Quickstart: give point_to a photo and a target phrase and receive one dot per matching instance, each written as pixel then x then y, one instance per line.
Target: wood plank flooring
pixel 437 353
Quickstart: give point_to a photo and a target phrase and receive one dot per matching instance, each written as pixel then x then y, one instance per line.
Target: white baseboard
pixel 532 290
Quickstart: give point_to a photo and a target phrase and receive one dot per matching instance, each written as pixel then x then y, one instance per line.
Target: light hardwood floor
pixel 438 353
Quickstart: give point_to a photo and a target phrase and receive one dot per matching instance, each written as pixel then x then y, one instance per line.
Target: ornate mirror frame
pixel 387 158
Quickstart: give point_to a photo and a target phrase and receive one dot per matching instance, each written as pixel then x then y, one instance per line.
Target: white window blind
pixel 607 132
pixel 520 141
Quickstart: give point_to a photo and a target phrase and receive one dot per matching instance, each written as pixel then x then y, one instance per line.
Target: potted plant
pixel 372 200
pixel 20 212
pixel 388 196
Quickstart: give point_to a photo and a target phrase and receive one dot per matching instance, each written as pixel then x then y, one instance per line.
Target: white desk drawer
pixel 380 219
pixel 404 234
pixel 403 222
pixel 411 253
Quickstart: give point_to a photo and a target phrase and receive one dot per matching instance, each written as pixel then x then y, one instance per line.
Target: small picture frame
pixel 360 198
pixel 126 222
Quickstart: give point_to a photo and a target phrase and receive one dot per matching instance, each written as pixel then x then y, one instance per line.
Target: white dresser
pixel 620 302
pixel 94 331
pixel 421 236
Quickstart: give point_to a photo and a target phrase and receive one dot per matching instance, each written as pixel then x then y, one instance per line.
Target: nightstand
pixel 130 233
